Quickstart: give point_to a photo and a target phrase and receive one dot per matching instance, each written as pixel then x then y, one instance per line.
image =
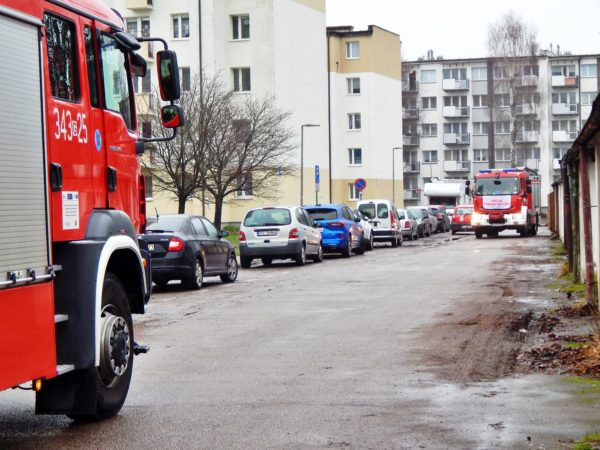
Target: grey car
pixel 423 218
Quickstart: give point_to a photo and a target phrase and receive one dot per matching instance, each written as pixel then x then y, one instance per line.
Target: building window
pixel 564 71
pixel 354 121
pixel 138 26
pixel 353 85
pixel 244 186
pixel 456 128
pixel 148 179
pixel 353 193
pixel 456 155
pixel 429 103
pixel 502 127
pixel 500 73
pixel 146 129
pixel 530 70
pixel 455 100
pixel 241 79
pixel 429 129
pixel 430 156
pixel 480 155
pixel 564 125
pixel 558 153
pixel 428 76
pixel 587 98
pixel 62 58
pixel 186 79
pixel 564 97
pixel 479 73
pixel 480 128
pixel 352 50
pixel 455 74
pixel 502 154
pixel 502 100
pixel 181 26
pixel 240 27
pixel 480 101
pixel 527 153
pixel 355 156
pixel 589 70
pixel 531 125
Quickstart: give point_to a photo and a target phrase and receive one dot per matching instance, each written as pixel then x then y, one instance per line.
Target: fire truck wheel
pixel 523 231
pixel 478 234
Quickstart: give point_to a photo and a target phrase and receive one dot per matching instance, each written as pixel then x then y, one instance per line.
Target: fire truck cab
pixel 72 202
pixel 505 199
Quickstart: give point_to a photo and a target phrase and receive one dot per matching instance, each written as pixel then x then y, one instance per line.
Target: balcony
pixel 455 85
pixel 527 81
pixel 410 86
pixel 457 139
pixel 410 140
pixel 528 136
pixel 562 81
pixel 564 136
pixel 564 108
pixel 410 113
pixel 527 109
pixel 412 167
pixel 139 5
pixel 146 51
pixel 454 112
pixel 412 194
pixel 457 166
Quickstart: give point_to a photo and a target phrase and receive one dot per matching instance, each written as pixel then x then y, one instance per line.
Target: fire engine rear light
pixel 37 385
pixel 175 245
pixel 336 224
pixel 242 236
pixel 294 233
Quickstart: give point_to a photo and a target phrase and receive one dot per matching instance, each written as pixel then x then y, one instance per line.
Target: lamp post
pixel 302 159
pixel 394 173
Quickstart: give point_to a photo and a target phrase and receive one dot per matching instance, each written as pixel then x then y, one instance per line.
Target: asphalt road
pixel 324 356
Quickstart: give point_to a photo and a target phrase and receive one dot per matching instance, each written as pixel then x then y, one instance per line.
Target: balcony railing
pixel 564 136
pixel 138 5
pixel 410 140
pixel 457 166
pixel 565 108
pixel 527 109
pixel 456 111
pixel 527 81
pixel 562 81
pixel 412 194
pixel 410 86
pixel 412 167
pixel 528 136
pixel 410 113
pixel 457 139
pixel 455 85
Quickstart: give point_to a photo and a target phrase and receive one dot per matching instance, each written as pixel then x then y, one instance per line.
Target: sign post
pixel 317 183
pixel 360 184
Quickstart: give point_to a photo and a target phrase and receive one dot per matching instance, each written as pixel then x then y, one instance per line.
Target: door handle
pixel 111 179
pixel 56 177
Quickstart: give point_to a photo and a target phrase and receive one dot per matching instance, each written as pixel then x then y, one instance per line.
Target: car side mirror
pixel 357 219
pixel 223 234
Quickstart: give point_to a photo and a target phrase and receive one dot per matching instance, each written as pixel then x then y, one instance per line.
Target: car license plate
pixel 266 233
pixel 151 247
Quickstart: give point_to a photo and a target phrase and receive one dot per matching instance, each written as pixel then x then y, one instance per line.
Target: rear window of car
pixel 169 224
pixel 414 213
pixel 371 210
pixel 323 213
pixel 401 214
pixel 464 210
pixel 268 217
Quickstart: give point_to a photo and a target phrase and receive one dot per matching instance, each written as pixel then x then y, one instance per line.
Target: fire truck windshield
pixel 497 186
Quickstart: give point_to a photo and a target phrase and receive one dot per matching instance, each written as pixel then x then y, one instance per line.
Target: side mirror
pixel 172 116
pixel 126 41
pixel 168 75
pixel 223 233
pixel 138 65
pixel 357 219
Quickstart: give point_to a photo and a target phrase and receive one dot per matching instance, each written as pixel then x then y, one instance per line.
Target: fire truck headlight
pixel 477 219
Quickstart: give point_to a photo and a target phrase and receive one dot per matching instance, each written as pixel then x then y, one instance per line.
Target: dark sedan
pixel 189 248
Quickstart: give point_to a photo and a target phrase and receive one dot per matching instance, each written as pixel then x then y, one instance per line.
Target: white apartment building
pixel 450 131
pixel 260 47
pixel 365 115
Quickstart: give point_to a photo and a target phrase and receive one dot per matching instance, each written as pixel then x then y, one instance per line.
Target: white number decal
pixel 68 128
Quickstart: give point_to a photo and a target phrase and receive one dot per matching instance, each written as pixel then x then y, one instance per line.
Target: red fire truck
pixel 72 202
pixel 505 199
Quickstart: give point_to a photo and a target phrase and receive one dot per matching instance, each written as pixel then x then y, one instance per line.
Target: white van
pixel 382 214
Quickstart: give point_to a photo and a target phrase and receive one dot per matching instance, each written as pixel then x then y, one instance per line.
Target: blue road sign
pixel 317 175
pixel 360 184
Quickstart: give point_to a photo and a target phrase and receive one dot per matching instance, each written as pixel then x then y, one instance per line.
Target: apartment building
pixel 365 114
pixel 260 48
pixel 457 116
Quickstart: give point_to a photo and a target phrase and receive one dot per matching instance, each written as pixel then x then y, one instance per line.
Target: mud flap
pixel 71 393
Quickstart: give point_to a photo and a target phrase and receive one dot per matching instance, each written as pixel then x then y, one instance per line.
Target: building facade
pixel 459 114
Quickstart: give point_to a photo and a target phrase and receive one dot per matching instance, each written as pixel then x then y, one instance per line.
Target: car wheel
pixel 453 232
pixel 232 270
pixel 523 231
pixel 400 240
pixel 370 242
pixel 428 232
pixel 361 247
pixel 478 234
pixel 319 256
pixel 394 242
pixel 267 261
pixel 301 256
pixel 421 232
pixel 347 252
pixel 245 262
pixel 195 281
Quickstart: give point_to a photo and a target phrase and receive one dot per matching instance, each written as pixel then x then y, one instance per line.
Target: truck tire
pixel 478 234
pixel 523 231
pixel 113 376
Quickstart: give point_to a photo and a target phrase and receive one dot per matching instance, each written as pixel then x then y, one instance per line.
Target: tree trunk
pixel 218 211
pixel 181 205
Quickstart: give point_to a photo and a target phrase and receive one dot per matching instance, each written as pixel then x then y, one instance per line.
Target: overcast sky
pixel 458 28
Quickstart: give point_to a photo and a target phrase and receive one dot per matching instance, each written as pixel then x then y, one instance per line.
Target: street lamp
pixel 394 173
pixel 302 159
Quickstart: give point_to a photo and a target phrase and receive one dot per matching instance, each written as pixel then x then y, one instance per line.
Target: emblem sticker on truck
pixel 496 201
pixel 70 210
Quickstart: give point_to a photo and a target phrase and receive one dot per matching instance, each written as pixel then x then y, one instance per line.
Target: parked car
pixel 367 228
pixel 439 211
pixel 340 229
pixel 433 219
pixel 461 219
pixel 421 215
pixel 282 232
pixel 408 225
pixel 189 248
pixel 383 216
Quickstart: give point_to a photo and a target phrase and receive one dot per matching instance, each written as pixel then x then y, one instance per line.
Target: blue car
pixel 340 231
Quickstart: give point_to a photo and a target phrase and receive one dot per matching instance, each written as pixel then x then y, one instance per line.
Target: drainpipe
pixel 329 113
pixel 567 218
pixel 587 230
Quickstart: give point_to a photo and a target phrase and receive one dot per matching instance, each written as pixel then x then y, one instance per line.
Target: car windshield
pixel 323 213
pixel 169 224
pixel 414 213
pixel 464 210
pixel 497 186
pixel 268 217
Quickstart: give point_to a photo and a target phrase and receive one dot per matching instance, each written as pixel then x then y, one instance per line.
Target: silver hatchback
pixel 281 232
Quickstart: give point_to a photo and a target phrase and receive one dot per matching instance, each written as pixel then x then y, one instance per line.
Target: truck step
pixel 64 368
pixel 140 348
pixel 58 318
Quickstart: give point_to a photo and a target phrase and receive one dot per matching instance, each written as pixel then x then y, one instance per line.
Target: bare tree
pixel 515 95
